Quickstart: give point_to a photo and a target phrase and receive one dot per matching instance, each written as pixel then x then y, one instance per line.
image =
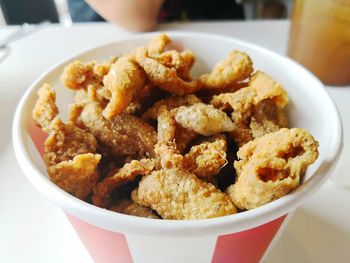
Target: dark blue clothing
pixel 80 11
pixel 172 10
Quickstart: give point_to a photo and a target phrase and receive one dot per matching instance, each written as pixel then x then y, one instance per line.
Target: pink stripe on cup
pixel 247 246
pixel 103 246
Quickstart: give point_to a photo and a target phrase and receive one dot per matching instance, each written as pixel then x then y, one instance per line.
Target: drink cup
pixel 320 38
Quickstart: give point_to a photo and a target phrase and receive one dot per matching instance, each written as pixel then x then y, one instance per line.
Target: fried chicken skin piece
pixel 247 101
pixel 166 148
pixel 123 134
pixel 78 75
pixel 207 158
pixel 261 87
pixel 45 109
pixel 124 81
pixel 158 44
pixel 65 141
pixel 267 118
pixel 183 137
pixel 181 62
pixel 128 207
pixel 203 119
pixel 77 176
pixel 102 192
pixel 178 194
pixel 70 155
pixel 69 151
pixel 170 103
pixel 236 67
pixel 164 77
pixel 188 58
pixel 271 166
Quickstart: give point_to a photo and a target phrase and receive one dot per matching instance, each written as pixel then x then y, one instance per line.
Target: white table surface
pixel 34 230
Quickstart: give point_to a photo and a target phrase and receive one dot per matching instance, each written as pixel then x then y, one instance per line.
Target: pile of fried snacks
pixel 146 139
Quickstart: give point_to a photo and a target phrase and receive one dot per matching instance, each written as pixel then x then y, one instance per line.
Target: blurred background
pixel 66 12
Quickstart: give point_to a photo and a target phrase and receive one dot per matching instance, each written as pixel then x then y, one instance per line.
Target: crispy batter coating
pixel 188 59
pixel 203 119
pixel 247 101
pixel 183 137
pixel 102 193
pixel 45 109
pixel 65 141
pixel 69 150
pixel 236 67
pixel 271 166
pixel 178 194
pixel 75 110
pixel 261 88
pixel 87 80
pixel 170 103
pixel 124 81
pixel 181 62
pixel 267 118
pixel 77 176
pixel 124 134
pixel 78 75
pixel 158 44
pixel 102 69
pixel 128 207
pixel 206 159
pixel 164 77
pixel 166 148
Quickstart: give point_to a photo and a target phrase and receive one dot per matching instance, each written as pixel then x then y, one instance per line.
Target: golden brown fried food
pixel 178 194
pixel 236 67
pixel 170 103
pixel 267 118
pixel 261 87
pixel 183 137
pixel 77 176
pixel 188 58
pixel 206 159
pixel 102 192
pixel 69 150
pixel 181 62
pixel 166 148
pixel 158 44
pixel 128 207
pixel 203 119
pixel 271 166
pixel 75 110
pixel 102 69
pixel 174 172
pixel 77 75
pixel 65 141
pixel 45 109
pixel 164 77
pixel 124 82
pixel 244 102
pixel 124 134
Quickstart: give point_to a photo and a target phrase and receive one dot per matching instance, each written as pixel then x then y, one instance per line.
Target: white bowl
pixel 310 107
